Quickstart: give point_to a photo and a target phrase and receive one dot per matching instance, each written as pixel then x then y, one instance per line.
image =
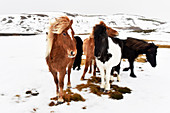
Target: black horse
pixel 132 48
pixel 77 61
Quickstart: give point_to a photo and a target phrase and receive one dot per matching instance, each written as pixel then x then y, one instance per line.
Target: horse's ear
pixel 70 24
pixel 154 45
pixel 102 23
pixel 52 21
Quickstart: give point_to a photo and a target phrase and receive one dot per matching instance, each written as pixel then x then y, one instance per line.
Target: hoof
pixel 133 76
pixel 112 78
pixel 82 78
pixel 69 86
pixel 107 91
pixel 60 101
pixel 102 89
pixel 78 69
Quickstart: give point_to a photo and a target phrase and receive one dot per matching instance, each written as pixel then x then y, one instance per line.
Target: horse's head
pixel 111 32
pixel 151 54
pixel 101 40
pixel 64 34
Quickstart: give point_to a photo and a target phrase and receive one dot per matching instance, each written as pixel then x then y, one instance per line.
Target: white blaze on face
pixel 69 33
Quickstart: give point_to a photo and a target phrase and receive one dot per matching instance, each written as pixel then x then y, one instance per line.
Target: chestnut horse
pixel 88 49
pixel 61 52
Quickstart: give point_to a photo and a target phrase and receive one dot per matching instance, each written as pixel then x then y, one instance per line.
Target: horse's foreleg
pixel 56 82
pixel 69 72
pixel 61 86
pixel 117 69
pixel 107 87
pixel 102 72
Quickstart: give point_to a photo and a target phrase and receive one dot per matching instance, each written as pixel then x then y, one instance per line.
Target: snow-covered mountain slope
pixel 24 23
pixel 38 22
pixel 127 25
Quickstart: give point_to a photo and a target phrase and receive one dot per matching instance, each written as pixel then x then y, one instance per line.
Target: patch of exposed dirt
pixel 116 92
pixel 68 97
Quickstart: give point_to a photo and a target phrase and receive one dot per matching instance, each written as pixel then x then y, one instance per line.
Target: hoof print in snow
pixel 84 107
pixel 32 92
pixel 51 104
pixel 28 92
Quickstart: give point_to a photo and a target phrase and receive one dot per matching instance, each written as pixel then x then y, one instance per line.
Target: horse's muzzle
pixel 72 54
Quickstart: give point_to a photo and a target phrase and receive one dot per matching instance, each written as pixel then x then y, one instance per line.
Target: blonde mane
pixel 56 27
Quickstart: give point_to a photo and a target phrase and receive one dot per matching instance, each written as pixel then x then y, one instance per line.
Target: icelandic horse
pixel 88 49
pixel 61 52
pixel 133 47
pixel 107 52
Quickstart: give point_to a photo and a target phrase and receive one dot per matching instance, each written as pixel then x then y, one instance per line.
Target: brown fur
pixel 61 52
pixel 88 49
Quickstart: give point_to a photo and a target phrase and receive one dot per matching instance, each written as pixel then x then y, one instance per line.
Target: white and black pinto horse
pixel 132 48
pixel 107 54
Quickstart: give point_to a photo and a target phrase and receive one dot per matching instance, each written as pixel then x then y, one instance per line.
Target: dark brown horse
pixel 88 49
pixel 133 47
pixel 61 52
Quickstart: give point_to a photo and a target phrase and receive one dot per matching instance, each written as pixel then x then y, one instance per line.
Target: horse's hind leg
pixel 86 68
pixel 117 69
pixel 95 66
pixel 90 70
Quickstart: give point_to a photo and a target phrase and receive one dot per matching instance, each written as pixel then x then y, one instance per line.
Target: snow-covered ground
pixel 23 68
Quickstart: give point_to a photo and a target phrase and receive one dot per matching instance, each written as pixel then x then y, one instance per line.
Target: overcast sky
pixel 149 8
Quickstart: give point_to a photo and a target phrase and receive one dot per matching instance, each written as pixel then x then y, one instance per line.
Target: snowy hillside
pixel 127 25
pixel 38 22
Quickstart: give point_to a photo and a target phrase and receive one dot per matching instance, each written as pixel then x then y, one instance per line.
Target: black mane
pixel 101 43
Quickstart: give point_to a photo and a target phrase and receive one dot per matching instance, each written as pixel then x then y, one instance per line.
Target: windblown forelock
pixel 60 24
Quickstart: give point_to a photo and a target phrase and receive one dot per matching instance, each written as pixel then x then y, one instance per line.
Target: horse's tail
pixel 79 45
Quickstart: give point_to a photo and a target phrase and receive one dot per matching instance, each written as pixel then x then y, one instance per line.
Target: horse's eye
pixel 64 34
